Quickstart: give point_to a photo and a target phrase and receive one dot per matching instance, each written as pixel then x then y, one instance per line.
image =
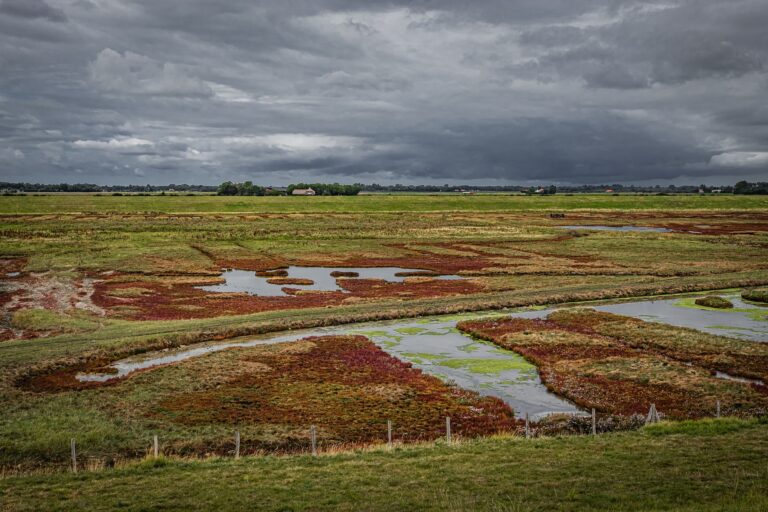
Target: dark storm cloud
pixel 665 46
pixel 414 91
pixel 31 9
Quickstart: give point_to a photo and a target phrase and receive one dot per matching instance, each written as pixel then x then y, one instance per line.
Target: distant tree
pixel 245 189
pixel 745 187
pixel 227 189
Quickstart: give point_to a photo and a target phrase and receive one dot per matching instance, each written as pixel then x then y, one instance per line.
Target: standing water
pixel 430 344
pixel 435 346
pixel 246 281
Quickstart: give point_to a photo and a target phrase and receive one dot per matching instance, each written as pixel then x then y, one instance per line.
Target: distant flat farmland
pixel 80 203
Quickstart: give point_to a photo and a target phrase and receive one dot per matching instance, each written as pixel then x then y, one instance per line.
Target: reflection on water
pixel 437 348
pixel 745 320
pixel 246 281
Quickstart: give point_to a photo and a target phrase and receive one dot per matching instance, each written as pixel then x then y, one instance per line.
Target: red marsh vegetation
pixel 624 367
pixel 345 385
pixel 136 298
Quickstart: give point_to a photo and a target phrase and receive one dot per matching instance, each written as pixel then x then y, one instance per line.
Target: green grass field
pixel 77 203
pixel 711 465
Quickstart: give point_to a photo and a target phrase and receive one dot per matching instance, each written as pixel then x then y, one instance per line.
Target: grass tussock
pixel 756 295
pixel 715 302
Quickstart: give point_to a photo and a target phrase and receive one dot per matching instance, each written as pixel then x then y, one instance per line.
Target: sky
pixel 423 91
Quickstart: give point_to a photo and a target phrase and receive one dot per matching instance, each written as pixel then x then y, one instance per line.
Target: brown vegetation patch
pixel 280 272
pixel 439 263
pixel 64 378
pixel 374 288
pixel 251 262
pixel 734 228
pixel 290 280
pixel 418 279
pixel 7 296
pixel 346 386
pixel 340 273
pixel 12 265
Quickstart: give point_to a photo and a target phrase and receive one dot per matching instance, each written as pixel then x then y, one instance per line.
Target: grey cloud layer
pixel 576 91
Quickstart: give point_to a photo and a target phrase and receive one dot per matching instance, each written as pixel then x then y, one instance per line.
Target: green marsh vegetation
pixel 93 269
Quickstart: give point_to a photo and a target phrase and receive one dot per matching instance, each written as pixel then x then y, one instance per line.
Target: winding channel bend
pixel 435 346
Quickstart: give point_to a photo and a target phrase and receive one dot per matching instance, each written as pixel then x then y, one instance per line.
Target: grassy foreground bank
pixel 704 465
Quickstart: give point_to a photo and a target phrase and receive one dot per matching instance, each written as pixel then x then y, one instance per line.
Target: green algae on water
pixel 488 366
pixel 411 330
pixel 469 347
pixel 422 355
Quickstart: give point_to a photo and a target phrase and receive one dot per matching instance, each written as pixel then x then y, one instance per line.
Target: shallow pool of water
pixel 745 320
pixel 246 281
pixel 599 227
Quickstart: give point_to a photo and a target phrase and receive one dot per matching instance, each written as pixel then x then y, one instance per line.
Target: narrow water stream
pixel 435 346
pixel 431 344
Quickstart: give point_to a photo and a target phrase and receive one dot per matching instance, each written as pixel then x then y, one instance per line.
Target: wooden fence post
pixel 527 427
pixel 155 447
pixel 448 429
pixel 313 437
pixel 594 422
pixel 653 415
pixel 389 434
pixel 73 450
pixel 718 409
pixel 237 444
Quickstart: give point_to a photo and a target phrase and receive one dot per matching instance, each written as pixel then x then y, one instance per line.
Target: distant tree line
pixel 90 187
pixel 745 187
pixel 246 188
pixel 583 189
